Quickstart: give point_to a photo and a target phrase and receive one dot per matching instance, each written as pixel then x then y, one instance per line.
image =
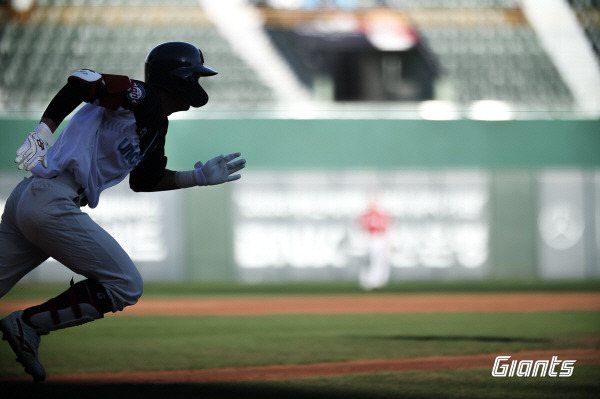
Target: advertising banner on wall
pixel 568 224
pixel 149 226
pixel 361 225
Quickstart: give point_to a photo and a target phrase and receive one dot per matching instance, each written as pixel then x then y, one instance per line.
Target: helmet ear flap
pixel 176 67
pixel 199 97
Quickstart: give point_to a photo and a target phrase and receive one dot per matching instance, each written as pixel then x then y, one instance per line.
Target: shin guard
pixel 81 303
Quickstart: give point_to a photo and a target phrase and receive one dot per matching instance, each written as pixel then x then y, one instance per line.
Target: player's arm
pixel 84 85
pixel 36 146
pixel 218 170
pixel 167 182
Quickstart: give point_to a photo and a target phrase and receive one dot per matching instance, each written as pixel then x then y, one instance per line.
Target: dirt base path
pixel 354 304
pixel 357 304
pixel 284 372
pixel 392 304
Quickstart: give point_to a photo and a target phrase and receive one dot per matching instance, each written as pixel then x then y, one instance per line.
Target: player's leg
pixel 50 220
pixel 83 302
pixel 113 282
pixel 17 258
pixel 72 238
pixel 379 262
pixel 87 249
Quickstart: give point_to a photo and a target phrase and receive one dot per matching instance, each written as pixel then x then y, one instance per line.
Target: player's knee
pixel 127 291
pixel 136 288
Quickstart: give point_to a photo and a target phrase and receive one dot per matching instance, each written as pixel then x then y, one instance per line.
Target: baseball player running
pixel 120 131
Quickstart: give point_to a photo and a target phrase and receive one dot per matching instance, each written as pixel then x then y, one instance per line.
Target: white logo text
pixel 529 368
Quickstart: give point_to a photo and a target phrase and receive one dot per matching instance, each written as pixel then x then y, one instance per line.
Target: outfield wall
pixel 464 200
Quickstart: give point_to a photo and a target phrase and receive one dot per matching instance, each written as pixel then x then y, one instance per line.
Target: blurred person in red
pixel 377 273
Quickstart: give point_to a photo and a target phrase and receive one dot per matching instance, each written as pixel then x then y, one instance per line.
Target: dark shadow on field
pixel 453 338
pixel 449 384
pixel 242 390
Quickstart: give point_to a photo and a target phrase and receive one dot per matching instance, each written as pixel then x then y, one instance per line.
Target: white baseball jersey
pixel 100 146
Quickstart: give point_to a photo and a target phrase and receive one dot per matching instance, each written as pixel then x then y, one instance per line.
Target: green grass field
pixel 124 343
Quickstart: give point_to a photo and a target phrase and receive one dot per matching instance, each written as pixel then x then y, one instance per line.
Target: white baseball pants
pixel 42 218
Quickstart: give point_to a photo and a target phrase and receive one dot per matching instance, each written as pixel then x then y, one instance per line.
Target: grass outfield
pixel 123 343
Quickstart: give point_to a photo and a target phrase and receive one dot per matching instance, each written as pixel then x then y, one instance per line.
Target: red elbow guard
pixel 89 79
pixel 116 87
pixel 111 90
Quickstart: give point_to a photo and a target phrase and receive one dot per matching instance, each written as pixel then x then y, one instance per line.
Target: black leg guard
pixel 81 303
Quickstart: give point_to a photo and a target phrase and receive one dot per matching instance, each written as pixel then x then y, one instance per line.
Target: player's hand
pixel 219 170
pixel 35 148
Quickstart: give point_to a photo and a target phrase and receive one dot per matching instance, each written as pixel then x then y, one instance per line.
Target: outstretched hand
pixel 220 169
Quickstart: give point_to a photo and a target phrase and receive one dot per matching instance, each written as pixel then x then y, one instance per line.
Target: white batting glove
pixel 35 148
pixel 218 170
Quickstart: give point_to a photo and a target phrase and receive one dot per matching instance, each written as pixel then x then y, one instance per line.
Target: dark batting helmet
pixel 176 68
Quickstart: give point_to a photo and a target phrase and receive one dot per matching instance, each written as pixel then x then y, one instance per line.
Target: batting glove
pixel 218 170
pixel 35 148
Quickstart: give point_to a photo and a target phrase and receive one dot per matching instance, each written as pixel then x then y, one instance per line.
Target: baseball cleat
pixel 24 341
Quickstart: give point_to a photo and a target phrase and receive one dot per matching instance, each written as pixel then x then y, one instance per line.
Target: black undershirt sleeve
pixel 151 170
pixel 66 100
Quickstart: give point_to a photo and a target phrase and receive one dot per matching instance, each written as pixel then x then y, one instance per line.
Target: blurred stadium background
pixel 472 126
